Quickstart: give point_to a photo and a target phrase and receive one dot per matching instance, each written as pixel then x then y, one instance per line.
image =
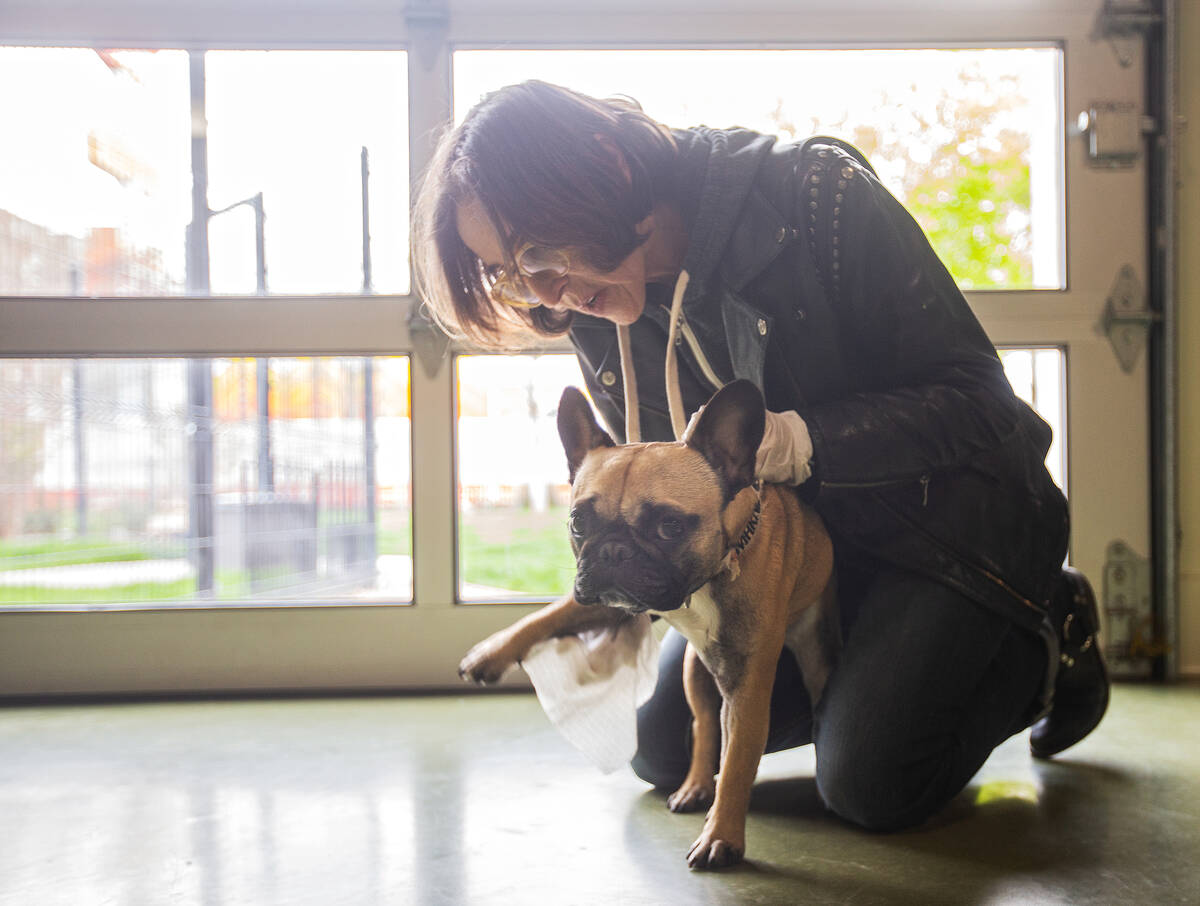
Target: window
pixel 317 133
pixel 1038 376
pixel 306 170
pixel 512 481
pixel 94 187
pixel 512 478
pixel 177 481
pixel 203 480
pixel 968 139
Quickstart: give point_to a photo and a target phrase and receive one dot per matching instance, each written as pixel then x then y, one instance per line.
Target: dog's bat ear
pixel 728 432
pixel 578 429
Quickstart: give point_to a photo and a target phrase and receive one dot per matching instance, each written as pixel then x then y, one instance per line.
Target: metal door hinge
pixel 429 342
pixel 1127 318
pixel 1129 642
pixel 1123 23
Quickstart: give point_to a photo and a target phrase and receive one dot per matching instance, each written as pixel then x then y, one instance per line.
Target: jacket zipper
pixel 887 483
pixel 933 539
pixel 693 344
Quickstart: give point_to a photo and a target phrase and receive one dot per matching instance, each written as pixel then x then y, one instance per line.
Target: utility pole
pixel 368 376
pixel 81 485
pixel 266 463
pixel 201 522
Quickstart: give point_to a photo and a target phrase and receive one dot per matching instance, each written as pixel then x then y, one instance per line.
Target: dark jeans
pixel 927 684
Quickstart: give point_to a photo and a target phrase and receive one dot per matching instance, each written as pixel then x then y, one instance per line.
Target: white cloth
pixel 785 454
pixel 590 686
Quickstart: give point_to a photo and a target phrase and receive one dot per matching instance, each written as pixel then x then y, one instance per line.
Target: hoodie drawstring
pixel 633 423
pixel 674 394
pixel 633 428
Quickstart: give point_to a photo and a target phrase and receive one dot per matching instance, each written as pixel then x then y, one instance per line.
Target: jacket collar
pixel 727 215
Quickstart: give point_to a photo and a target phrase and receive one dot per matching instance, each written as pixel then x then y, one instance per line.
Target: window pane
pixel 169 481
pixel 1038 375
pixel 293 125
pixel 512 477
pixel 512 474
pixel 95 188
pixel 968 139
pixel 95 182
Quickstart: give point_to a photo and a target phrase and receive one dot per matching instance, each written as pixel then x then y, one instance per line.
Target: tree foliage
pixel 958 158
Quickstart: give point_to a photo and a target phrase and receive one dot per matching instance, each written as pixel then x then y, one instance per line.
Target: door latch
pixel 1115 133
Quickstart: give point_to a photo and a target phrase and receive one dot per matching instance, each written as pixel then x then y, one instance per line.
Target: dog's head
pixel 650 523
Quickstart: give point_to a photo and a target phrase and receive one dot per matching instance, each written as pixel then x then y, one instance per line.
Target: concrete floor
pixel 476 800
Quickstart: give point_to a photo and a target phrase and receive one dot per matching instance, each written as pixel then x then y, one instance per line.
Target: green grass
pixel 392 541
pixel 521 551
pixel 232 585
pixel 119 594
pixel 38 554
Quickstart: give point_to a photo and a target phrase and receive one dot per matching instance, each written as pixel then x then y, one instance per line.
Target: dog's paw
pixel 488 661
pixel 712 850
pixel 692 796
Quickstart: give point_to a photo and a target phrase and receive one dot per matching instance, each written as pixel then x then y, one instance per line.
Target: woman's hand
pixel 785 454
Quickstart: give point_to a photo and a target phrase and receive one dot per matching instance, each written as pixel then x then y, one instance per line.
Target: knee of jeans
pixel 662 756
pixel 657 771
pixel 875 791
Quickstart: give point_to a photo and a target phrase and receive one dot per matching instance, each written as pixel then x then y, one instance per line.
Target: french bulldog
pixel 683 531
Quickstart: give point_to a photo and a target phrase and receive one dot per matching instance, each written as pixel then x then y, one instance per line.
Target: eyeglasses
pixel 533 262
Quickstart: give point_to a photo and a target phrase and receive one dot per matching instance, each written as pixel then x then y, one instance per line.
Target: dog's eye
pixel 670 529
pixel 575 524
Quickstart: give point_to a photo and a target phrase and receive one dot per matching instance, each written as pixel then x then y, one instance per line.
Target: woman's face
pixel 618 295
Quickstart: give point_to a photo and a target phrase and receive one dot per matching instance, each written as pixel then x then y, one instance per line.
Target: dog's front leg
pixel 704 699
pixel 488 660
pixel 745 718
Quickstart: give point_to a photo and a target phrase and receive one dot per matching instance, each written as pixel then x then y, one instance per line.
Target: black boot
pixel 1081 689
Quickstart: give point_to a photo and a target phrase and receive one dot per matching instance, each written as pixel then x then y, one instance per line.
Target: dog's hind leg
pixel 816 639
pixel 704 699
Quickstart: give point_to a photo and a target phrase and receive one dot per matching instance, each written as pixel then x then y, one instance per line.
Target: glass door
pixel 979 137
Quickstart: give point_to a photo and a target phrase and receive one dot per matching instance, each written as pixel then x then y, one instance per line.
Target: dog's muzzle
pixel 617 572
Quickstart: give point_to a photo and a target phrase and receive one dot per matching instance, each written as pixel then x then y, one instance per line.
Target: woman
pixel 550 212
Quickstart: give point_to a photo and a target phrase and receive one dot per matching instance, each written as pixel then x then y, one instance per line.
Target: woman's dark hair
pixel 540 161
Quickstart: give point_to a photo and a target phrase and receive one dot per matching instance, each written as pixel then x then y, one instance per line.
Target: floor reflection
pixel 476 800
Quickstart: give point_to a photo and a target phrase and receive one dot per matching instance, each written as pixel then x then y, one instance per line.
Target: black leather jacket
pixel 810 279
